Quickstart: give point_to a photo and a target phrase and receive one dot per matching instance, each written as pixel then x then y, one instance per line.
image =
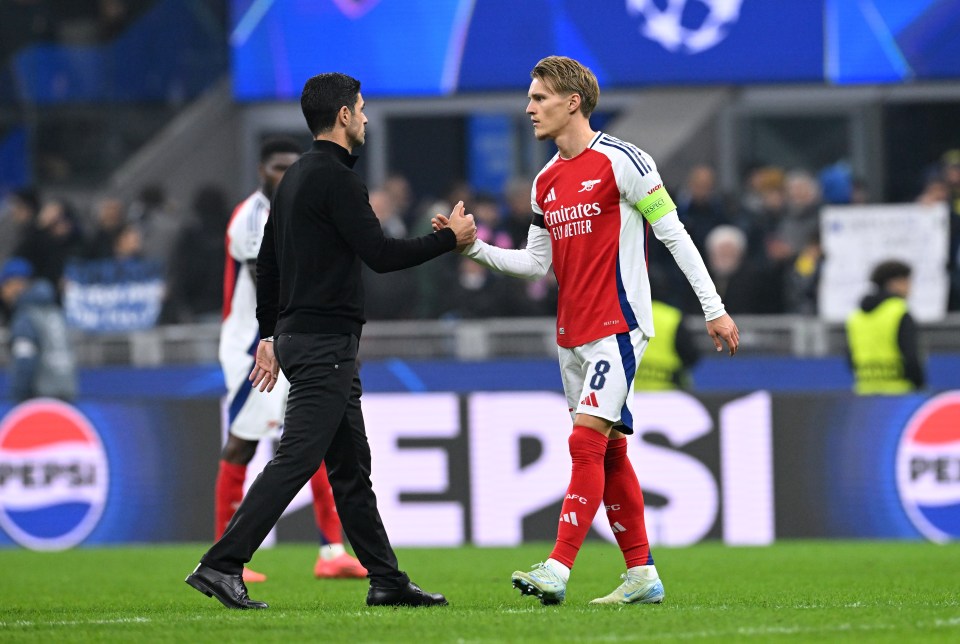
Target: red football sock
pixel 324 509
pixel 624 502
pixel 587 449
pixel 227 495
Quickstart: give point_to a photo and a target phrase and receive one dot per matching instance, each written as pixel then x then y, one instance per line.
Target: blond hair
pixel 566 76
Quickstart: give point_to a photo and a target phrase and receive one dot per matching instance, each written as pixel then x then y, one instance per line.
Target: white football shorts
pixel 247 412
pixel 598 377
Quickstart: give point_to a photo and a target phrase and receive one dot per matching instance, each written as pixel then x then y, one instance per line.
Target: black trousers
pixel 323 421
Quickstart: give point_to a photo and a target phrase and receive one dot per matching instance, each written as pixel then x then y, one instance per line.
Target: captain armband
pixel 656 205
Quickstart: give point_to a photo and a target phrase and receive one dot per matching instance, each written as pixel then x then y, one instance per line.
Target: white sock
pixel 643 572
pixel 331 551
pixel 559 568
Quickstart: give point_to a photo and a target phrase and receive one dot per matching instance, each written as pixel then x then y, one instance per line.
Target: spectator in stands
pixel 387 211
pixel 394 295
pixel 482 294
pixel 160 224
pixel 836 183
pixel 110 218
pixel 518 213
pixel 950 163
pixel 486 212
pixel 127 244
pixel 934 191
pixel 762 209
pixel 883 339
pixel 744 286
pixel 41 360
pixel 700 206
pixel 401 194
pixel 196 276
pixel 802 218
pixel 802 279
pixel 54 238
pixel 159 221
pixel 16 219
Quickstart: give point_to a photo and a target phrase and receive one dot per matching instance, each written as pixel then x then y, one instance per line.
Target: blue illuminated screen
pixel 442 47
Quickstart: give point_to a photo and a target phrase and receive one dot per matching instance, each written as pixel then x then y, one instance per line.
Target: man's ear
pixel 343 116
pixel 573 103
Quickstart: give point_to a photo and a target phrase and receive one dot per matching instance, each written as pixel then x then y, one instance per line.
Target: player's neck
pixel 574 139
pixel 338 136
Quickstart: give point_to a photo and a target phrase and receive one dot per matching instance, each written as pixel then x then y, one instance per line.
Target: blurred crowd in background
pixel 71 115
pixel 761 247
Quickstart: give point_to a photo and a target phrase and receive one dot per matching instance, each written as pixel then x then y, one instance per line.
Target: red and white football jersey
pixel 240 331
pixel 592 205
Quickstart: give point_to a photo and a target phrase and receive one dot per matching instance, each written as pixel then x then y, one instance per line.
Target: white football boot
pixel 641 585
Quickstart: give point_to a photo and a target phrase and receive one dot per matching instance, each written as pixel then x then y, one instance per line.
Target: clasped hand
pixel 461 224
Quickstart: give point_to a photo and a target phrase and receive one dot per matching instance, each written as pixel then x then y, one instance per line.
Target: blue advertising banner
pixel 747 468
pixel 110 295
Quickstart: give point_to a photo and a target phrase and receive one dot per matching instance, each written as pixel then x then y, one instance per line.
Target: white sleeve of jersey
pixel 530 262
pixel 245 232
pixel 639 179
pixel 533 197
pixel 671 232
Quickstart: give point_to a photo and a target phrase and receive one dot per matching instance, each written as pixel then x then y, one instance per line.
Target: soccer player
pixel 590 203
pixel 251 415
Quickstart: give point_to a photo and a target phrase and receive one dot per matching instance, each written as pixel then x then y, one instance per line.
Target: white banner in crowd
pixel 857 238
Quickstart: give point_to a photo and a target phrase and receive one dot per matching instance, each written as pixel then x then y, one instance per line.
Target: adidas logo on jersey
pixel 569 518
pixel 616 527
pixel 551 196
pixel 590 401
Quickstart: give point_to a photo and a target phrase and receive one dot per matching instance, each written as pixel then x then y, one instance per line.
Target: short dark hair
pixel 567 76
pixel 279 146
pixel 884 272
pixel 323 96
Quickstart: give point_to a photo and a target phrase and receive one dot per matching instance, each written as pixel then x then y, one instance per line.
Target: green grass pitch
pixel 792 592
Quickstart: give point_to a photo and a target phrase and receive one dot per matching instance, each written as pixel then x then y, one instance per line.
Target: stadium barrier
pixel 489 468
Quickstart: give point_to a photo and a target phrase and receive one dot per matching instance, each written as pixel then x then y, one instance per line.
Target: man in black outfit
pixel 310 299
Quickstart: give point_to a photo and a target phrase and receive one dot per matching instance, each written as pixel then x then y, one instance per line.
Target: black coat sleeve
pixel 268 282
pixel 359 226
pixel 908 338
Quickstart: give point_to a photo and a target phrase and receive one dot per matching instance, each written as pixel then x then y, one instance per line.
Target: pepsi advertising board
pixel 745 469
pixel 107 472
pixel 440 47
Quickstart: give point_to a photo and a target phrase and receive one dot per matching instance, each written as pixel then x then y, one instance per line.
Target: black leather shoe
pixel 409 595
pixel 229 589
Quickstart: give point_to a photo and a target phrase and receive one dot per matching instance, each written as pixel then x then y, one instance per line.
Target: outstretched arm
pixel 531 262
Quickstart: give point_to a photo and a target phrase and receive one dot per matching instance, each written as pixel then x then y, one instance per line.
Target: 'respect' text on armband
pixel 656 205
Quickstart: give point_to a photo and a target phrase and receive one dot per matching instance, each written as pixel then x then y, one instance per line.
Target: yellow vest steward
pixel 661 362
pixel 877 360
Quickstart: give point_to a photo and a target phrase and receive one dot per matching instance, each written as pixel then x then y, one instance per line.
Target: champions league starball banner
pixel 490 468
pixel 439 47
